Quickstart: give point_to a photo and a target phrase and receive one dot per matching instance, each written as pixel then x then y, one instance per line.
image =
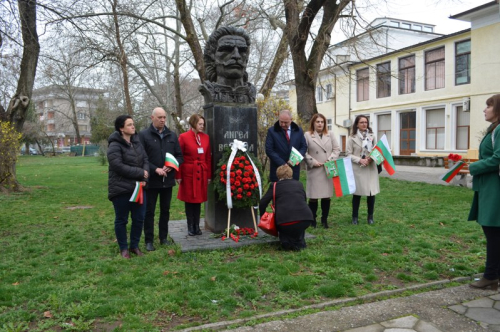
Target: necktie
pixel 287 137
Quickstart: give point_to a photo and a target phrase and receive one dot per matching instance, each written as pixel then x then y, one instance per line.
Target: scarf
pixel 366 143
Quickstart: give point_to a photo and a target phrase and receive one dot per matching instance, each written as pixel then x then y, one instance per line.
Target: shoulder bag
pixel 267 222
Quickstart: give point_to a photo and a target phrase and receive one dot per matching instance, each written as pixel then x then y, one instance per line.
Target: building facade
pixel 59 109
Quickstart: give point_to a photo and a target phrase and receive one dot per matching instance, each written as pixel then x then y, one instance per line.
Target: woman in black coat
pixel 293 215
pixel 128 164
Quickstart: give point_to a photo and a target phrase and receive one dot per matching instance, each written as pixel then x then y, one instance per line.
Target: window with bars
pixel 363 83
pixel 329 124
pixel 407 75
pixel 434 129
pixel 434 69
pixel 384 80
pixel 463 129
pixel 462 62
pixel 329 91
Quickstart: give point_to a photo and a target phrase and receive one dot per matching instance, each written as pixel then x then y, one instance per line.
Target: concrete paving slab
pixel 423 326
pixel 484 315
pixel 369 328
pixel 403 322
pixel 484 302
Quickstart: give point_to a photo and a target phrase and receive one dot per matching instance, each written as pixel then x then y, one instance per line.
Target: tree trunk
pixel 122 59
pixel 18 106
pixel 192 37
pixel 177 79
pixel 279 58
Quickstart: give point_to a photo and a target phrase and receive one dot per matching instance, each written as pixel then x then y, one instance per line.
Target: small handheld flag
pixel 331 169
pixel 170 161
pixel 344 183
pixel 382 148
pixel 453 171
pixel 138 194
pixel 295 157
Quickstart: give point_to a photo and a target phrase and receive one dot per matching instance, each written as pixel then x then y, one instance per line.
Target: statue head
pixel 226 56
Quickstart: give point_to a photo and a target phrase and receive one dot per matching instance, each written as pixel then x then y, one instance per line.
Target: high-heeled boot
pixel 325 210
pixel 196 226
pixel 313 205
pixel 485 283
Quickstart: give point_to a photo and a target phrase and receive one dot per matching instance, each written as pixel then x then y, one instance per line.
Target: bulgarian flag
pixel 170 161
pixel 344 183
pixel 138 194
pixel 383 148
pixel 453 171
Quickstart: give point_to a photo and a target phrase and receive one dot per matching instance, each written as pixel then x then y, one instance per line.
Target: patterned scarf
pixel 367 142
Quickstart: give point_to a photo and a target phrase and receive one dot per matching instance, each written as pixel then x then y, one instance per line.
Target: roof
pixel 466 15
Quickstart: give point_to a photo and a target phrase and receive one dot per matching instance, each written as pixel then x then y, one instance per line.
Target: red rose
pixel 231 180
pixel 246 186
pixel 233 188
pixel 237 183
pixel 246 174
pixel 222 174
pixel 238 196
pixel 232 167
pixel 240 190
pixel 243 158
pixel 223 167
pixel 238 172
pixel 241 165
pixel 247 162
pixel 238 178
pixel 232 174
pixel 252 187
pixel 244 180
pixel 249 193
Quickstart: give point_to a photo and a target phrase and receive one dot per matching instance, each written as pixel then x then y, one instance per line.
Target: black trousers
pixel 356 200
pixel 292 236
pixel 492 266
pixel 149 222
pixel 193 211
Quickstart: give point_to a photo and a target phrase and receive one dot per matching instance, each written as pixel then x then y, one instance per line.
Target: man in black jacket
pixel 157 140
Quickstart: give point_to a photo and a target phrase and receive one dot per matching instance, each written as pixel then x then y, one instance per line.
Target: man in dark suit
pixel 280 139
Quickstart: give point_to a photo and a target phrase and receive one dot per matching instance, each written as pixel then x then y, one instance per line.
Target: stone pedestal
pixel 225 123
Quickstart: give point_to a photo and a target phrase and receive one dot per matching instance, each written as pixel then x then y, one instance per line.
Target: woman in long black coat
pixel 293 215
pixel 128 164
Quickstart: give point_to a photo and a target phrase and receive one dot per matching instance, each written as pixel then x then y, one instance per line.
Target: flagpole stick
pixel 228 220
pixel 253 216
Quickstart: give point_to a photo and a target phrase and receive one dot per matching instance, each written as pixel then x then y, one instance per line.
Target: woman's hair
pixel 194 119
pixel 313 119
pixel 355 125
pixel 495 102
pixel 284 172
pixel 120 122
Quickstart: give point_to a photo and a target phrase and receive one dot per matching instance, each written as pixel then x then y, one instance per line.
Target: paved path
pixel 448 309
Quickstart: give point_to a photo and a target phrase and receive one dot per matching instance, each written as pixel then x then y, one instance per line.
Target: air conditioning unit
pixel 466 104
pixel 347 123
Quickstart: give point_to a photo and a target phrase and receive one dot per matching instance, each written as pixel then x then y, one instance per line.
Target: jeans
pixel 122 209
pixel 149 222
pixel 492 266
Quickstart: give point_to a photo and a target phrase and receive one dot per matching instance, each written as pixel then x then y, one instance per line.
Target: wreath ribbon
pixel 235 146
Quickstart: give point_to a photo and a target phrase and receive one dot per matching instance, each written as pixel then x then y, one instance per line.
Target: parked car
pixel 32 151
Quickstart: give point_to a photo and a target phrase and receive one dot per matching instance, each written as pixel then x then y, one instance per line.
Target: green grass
pixel 65 261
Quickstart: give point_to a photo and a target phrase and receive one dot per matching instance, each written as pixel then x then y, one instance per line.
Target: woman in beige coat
pixel 322 146
pixel 359 146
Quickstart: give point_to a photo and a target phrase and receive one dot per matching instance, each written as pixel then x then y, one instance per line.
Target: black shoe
pixel 196 228
pixel 150 247
pixel 370 220
pixel 165 242
pixel 354 220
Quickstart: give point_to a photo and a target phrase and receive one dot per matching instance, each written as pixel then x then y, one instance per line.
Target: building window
pixel 362 80
pixel 434 69
pixel 395 24
pixel 329 124
pixel 428 29
pixel 384 80
pixel 463 129
pixel 81 116
pixel 50 115
pixel 406 25
pixel 329 91
pixel 407 75
pixel 462 62
pixel 435 129
pixel 51 127
pixel 82 127
pixel 384 127
pixel 319 93
pixel 417 27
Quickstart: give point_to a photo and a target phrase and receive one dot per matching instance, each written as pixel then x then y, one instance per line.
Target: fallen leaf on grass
pixel 213 278
pixel 166 273
pixel 441 224
pixel 16 283
pixel 385 254
pixel 56 217
pixel 171 252
pixel 47 314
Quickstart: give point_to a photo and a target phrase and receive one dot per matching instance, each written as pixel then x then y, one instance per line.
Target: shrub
pixel 9 148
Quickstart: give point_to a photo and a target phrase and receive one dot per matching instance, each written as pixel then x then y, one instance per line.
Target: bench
pixel 461 178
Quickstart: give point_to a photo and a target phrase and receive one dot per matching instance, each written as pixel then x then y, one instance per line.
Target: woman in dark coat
pixel 293 215
pixel 195 173
pixel 486 186
pixel 128 164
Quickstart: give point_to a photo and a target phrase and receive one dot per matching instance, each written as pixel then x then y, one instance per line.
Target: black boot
pixel 196 219
pixel 325 210
pixel 370 220
pixel 313 205
pixel 191 229
pixel 354 220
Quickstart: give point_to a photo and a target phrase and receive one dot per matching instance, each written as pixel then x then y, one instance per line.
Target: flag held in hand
pixel 344 183
pixel 138 194
pixel 170 161
pixel 381 154
pixel 295 157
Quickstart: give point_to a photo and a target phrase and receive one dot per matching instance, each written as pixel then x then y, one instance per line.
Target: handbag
pixel 267 222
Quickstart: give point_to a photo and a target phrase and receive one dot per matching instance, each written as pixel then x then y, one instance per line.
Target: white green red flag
pixel 344 183
pixel 295 157
pixel 384 149
pixel 453 171
pixel 170 161
pixel 138 194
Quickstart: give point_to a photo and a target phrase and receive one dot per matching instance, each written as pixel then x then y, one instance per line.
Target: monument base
pixel 225 123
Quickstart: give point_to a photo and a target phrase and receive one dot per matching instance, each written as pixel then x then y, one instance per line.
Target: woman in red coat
pixel 195 172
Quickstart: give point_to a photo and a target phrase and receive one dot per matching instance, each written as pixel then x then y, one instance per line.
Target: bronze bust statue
pixel 226 58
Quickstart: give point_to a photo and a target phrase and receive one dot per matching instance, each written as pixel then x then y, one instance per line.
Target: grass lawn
pixel 60 268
